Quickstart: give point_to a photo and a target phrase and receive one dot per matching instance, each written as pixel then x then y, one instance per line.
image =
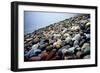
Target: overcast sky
pixel 34 20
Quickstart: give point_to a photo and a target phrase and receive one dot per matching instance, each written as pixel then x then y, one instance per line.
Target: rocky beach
pixel 64 40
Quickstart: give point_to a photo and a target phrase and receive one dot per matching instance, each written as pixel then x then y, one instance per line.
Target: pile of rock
pixel 65 40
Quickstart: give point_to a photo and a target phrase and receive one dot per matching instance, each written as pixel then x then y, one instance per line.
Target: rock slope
pixel 64 40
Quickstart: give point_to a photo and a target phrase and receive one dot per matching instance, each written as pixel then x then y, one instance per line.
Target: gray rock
pixel 76 37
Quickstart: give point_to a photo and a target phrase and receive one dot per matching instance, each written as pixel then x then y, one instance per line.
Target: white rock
pixel 85 45
pixel 64 30
pixel 68 39
pixel 57 35
pixel 66 35
pixel 75 28
pixel 35 46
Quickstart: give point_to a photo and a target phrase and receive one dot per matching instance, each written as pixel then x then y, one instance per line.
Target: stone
pixel 85 45
pixel 78 54
pixel 66 35
pixel 63 43
pixel 44 55
pixel 36 40
pixel 86 51
pixel 76 42
pixel 33 52
pixel 68 39
pixel 72 49
pixel 82 42
pixel 36 58
pixel 87 37
pixel 74 28
pixel 64 31
pixel 76 37
pixel 35 46
pixel 51 41
pixel 51 54
pixel 57 35
pixel 57 44
pixel 88 24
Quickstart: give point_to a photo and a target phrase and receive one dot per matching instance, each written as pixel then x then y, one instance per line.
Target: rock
pixel 72 49
pixel 51 41
pixel 36 40
pixel 76 42
pixel 51 54
pixel 49 48
pixel 85 45
pixel 44 55
pixel 37 51
pixel 78 48
pixel 75 28
pixel 57 44
pixel 88 24
pixel 57 35
pixel 68 39
pixel 64 31
pixel 33 52
pixel 42 47
pixel 82 42
pixel 78 54
pixel 66 35
pixel 64 47
pixel 29 39
pixel 42 41
pixel 64 51
pixel 35 46
pixel 59 41
pixel 87 37
pixel 86 51
pixel 56 58
pixel 76 37
pixel 36 58
pixel 63 43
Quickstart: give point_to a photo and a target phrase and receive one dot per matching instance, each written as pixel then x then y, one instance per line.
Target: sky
pixel 34 20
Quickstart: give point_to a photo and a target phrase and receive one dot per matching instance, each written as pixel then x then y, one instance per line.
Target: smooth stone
pixel 78 54
pixel 33 53
pixel 82 42
pixel 35 46
pixel 36 40
pixel 76 37
pixel 42 47
pixel 72 49
pixel 36 58
pixel 74 28
pixel 64 31
pixel 57 35
pixel 76 42
pixel 66 35
pixel 85 45
pixel 68 39
pixel 43 55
